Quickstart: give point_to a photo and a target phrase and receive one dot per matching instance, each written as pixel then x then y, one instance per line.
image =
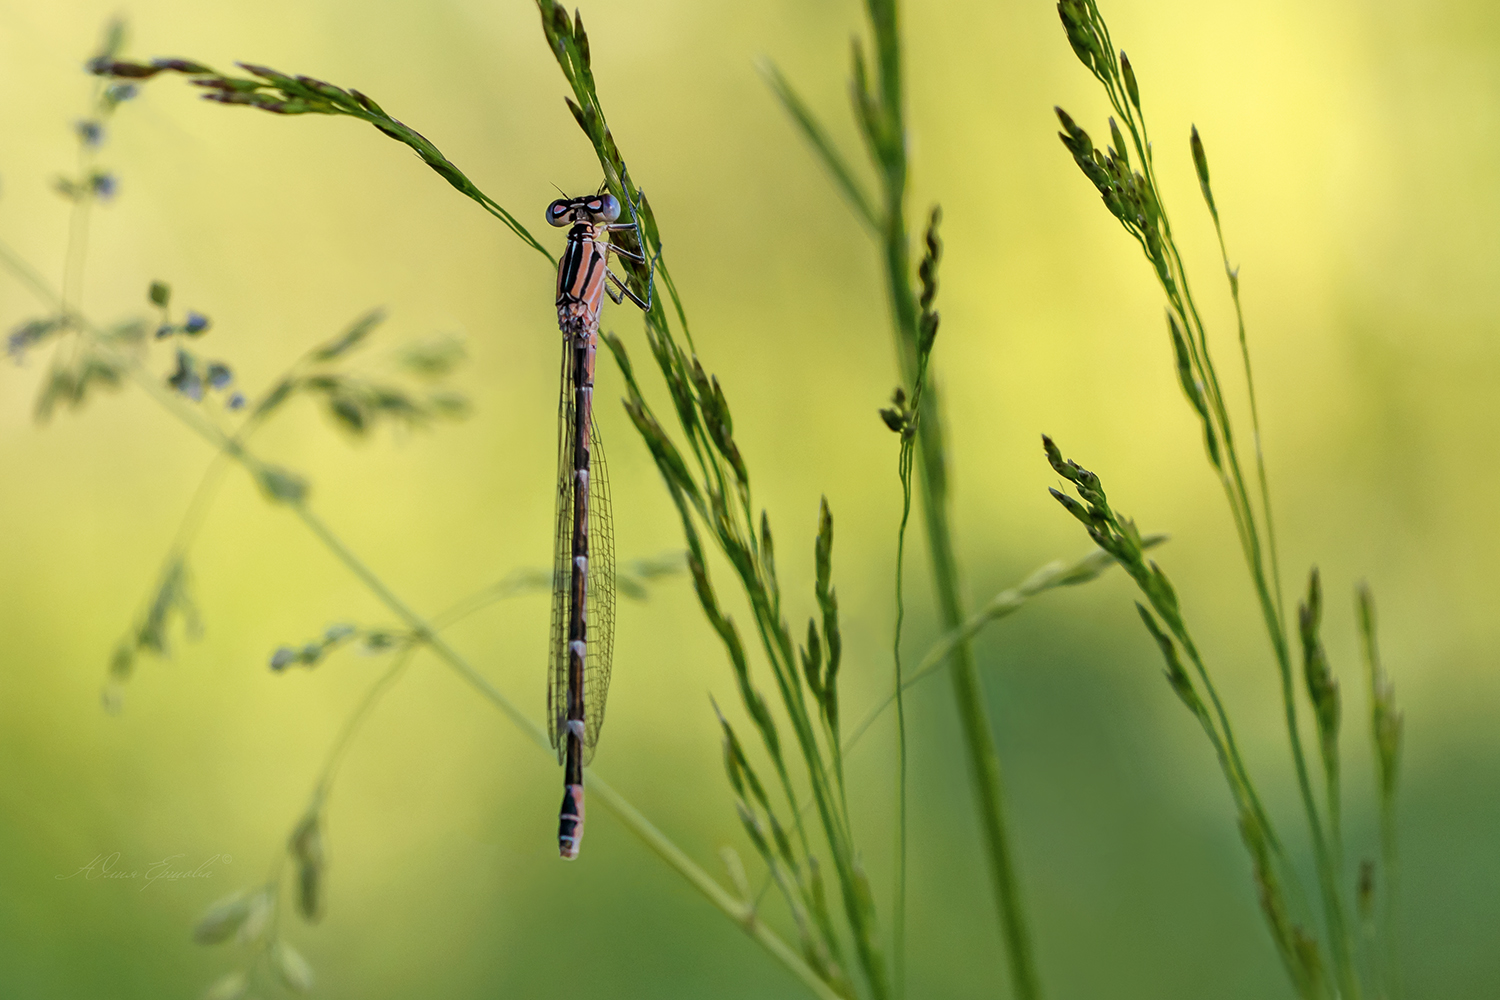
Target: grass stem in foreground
pixel 880 116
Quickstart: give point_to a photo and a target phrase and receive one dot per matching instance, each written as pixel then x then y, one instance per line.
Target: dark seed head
pixel 1200 159
pixel 181 66
pixel 1131 90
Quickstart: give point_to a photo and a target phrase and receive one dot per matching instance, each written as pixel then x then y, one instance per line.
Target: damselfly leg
pixel 624 289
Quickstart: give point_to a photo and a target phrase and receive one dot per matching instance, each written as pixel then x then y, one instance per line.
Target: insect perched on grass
pixel 583 571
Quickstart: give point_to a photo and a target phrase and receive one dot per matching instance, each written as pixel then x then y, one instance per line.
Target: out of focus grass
pixel 1349 146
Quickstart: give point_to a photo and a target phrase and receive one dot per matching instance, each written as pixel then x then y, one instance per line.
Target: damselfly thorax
pixel 580 278
pixel 583 575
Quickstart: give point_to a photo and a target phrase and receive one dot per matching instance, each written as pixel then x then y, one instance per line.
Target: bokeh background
pixel 1353 149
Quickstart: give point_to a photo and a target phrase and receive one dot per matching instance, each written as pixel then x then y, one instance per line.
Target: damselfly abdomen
pixel 583 571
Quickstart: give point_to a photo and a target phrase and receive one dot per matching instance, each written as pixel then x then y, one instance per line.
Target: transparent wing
pixel 562 541
pixel 601 595
pixel 600 617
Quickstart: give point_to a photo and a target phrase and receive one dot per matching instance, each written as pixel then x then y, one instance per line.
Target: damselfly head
pixel 598 208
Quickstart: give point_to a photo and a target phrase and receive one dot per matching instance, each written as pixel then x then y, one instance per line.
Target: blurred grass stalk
pixel 903 418
pixel 1119 536
pixel 1007 602
pixel 879 113
pixel 1133 197
pixel 1385 733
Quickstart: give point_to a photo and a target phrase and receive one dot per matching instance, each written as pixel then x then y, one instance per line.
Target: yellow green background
pixel 1353 149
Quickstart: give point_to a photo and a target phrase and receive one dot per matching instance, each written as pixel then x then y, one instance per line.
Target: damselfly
pixel 583 571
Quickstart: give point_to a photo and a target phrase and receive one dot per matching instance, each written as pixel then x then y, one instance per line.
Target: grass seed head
pixel 1127 72
pixel 1078 23
pixel 1200 166
pixel 1176 674
pixel 1322 686
pixel 184 66
pixel 230 986
pixel 281 485
pixel 291 967
pixel 306 849
pixel 812 659
pixel 1121 154
pixel 222 919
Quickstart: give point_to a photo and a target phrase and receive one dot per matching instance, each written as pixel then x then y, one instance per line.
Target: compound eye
pixel 609 208
pixel 557 212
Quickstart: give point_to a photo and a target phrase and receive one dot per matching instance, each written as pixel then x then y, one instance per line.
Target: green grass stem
pixel 879 113
pixel 1005 603
pixel 1386 738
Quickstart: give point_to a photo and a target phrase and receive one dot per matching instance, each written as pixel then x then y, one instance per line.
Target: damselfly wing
pixel 600 603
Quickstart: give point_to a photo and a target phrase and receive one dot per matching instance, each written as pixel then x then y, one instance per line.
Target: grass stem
pixel 881 114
